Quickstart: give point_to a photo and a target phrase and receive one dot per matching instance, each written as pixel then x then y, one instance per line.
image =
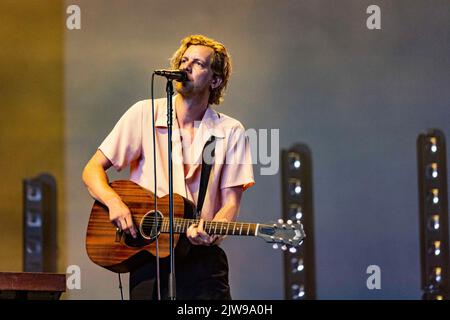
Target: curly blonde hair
pixel 220 63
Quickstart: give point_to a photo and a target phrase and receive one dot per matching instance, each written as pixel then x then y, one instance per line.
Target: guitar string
pixel 212 224
pixel 196 221
pixel 208 224
pixel 240 227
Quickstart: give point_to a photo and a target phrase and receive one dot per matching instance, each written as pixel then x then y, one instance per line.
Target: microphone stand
pixel 179 75
pixel 172 282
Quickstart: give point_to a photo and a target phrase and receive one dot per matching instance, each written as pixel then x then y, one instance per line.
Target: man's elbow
pixel 86 174
pixel 85 180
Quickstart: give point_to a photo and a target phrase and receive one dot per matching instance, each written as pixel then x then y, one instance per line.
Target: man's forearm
pixel 229 213
pixel 232 199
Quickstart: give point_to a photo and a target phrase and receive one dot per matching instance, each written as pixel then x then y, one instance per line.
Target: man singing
pixel 203 274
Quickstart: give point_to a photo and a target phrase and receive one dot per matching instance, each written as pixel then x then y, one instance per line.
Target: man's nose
pixel 187 66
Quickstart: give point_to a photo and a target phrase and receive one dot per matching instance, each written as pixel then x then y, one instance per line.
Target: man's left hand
pixel 198 236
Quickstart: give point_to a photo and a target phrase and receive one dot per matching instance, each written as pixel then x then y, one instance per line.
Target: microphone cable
pixel 158 290
pixel 120 287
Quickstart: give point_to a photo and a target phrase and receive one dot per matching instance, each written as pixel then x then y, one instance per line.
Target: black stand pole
pixel 172 282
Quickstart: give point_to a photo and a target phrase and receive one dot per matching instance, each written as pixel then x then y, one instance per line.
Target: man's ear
pixel 217 81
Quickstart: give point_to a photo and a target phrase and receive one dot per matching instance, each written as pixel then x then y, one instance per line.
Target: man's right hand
pixel 120 216
pixel 96 180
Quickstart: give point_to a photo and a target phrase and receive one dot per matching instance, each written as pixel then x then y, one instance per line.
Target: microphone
pixel 178 75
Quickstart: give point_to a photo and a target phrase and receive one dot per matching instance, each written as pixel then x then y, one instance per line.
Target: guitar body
pixel 114 250
pixel 118 252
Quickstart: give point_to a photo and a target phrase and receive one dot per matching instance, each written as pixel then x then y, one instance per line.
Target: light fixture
pixel 433 214
pixel 297 207
pixel 295 186
pixel 294 160
pixel 295 211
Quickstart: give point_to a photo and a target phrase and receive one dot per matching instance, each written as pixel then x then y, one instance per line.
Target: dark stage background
pixel 311 69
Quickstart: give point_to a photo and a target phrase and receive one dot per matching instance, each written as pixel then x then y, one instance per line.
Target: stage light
pixel 297 207
pixel 295 212
pixel 437 274
pixel 295 187
pixel 294 160
pixel 434 196
pixel 39 224
pixel 297 291
pixel 432 171
pixel 297 265
pixel 435 248
pixel 433 214
pixel 432 144
pixel 434 222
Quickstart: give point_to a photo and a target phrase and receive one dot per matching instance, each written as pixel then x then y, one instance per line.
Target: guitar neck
pixel 212 227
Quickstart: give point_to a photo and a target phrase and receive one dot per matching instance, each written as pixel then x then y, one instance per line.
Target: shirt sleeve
pixel 238 167
pixel 124 142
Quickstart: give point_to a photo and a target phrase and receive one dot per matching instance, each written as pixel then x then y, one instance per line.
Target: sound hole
pixel 139 241
pixel 151 225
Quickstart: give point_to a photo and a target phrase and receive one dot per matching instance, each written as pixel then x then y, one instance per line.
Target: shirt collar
pixel 211 119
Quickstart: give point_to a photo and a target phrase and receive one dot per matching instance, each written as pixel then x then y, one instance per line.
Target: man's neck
pixel 190 110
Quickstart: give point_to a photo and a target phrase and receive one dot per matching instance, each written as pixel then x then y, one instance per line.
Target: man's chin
pixel 183 88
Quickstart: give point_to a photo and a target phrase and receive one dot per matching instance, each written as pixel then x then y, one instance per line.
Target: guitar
pixel 117 251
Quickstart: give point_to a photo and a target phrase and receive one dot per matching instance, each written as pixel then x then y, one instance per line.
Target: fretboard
pixel 212 227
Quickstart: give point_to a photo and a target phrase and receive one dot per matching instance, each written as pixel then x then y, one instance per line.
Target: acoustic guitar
pixel 113 249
